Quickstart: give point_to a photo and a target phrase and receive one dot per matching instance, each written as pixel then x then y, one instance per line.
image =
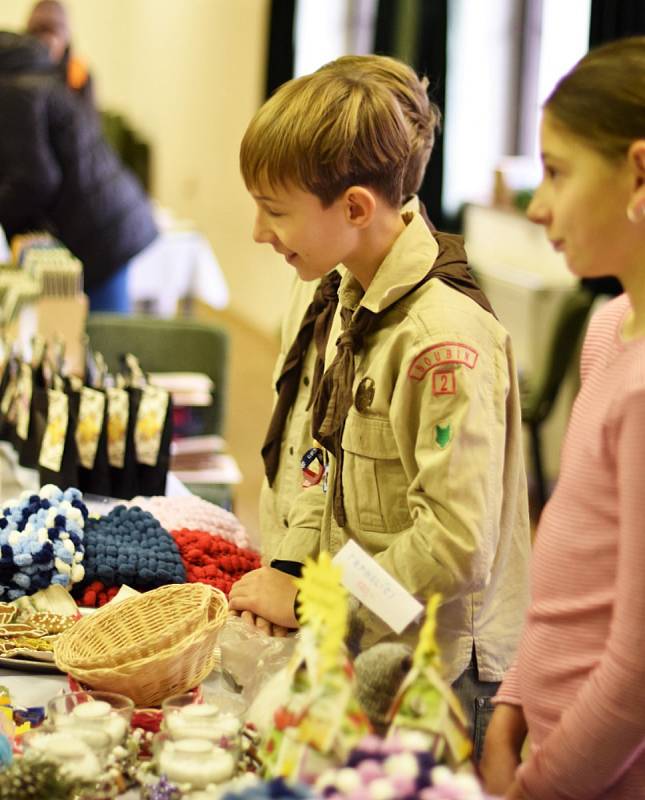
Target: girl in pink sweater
pixel 578 682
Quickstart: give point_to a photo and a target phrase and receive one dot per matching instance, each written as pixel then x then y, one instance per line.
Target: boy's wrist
pixel 293 568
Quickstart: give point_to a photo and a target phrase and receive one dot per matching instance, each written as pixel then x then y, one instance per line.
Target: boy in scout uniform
pixel 418 411
pixel 306 323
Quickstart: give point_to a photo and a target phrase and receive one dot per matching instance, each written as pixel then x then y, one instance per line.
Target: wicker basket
pixel 134 628
pixel 143 647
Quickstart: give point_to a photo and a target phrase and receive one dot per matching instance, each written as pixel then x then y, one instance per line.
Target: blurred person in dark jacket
pixel 49 22
pixel 58 173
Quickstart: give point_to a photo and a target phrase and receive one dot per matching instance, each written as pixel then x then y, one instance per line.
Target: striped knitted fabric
pixel 580 669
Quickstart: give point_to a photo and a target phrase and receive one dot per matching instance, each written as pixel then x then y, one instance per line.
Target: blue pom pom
pixel 22 580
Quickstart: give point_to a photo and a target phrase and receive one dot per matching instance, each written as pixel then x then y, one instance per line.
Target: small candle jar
pixel 85 713
pixel 197 763
pixel 186 719
pixel 76 759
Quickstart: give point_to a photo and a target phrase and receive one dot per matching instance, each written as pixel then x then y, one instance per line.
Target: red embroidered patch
pixel 440 355
pixel 444 382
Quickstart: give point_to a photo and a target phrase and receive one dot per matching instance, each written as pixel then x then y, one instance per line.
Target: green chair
pixel 170 345
pixel 540 394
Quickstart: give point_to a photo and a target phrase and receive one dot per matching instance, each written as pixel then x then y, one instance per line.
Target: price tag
pixel 375 588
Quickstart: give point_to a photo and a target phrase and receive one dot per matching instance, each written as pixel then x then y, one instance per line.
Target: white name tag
pixel 375 588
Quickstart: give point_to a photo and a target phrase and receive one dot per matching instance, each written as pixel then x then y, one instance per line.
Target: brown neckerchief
pixel 334 398
pixel 316 324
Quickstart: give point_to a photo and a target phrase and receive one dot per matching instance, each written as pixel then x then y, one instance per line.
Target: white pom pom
pixel 347 779
pixel 441 776
pixel 49 492
pixel 62 567
pixel 76 516
pixel 381 789
pixel 404 764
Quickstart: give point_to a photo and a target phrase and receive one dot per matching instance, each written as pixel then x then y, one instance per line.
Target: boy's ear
pixel 636 159
pixel 360 205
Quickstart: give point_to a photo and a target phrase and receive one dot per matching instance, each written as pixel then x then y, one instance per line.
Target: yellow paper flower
pixel 323 607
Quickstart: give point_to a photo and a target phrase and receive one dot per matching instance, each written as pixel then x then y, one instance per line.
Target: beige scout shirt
pixel 433 477
pixel 276 501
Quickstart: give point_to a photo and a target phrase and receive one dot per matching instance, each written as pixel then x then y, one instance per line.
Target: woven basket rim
pixel 213 613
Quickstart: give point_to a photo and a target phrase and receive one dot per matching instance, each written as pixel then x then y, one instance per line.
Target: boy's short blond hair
pixel 423 117
pixel 325 132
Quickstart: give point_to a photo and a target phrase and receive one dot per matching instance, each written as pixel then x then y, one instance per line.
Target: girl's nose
pixel 537 210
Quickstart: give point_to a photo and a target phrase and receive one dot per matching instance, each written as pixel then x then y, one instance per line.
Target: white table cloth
pixel 178 264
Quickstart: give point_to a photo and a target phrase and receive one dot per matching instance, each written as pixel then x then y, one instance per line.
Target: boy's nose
pixel 261 233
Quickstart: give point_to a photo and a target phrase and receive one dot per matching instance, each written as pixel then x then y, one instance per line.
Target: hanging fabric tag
pixel 10 391
pixel 118 416
pixel 24 390
pixel 151 417
pixel 53 446
pixel 91 412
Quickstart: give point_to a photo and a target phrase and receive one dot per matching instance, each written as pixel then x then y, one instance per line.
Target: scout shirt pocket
pixel 375 484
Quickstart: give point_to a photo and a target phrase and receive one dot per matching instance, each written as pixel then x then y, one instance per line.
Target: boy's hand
pixel 264 625
pixel 269 594
pixel 502 748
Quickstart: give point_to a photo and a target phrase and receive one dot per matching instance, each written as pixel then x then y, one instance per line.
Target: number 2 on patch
pixel 444 382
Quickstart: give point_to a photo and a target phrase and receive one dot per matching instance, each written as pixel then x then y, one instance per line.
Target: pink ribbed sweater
pixel 580 669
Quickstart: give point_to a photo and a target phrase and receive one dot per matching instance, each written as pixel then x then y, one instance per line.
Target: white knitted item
pixel 194 513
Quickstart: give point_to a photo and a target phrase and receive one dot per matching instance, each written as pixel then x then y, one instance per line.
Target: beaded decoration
pixel 212 559
pixel 41 541
pixel 128 546
pixel 398 767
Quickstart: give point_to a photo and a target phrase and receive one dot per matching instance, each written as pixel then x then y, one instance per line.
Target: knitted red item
pixel 208 558
pixel 96 594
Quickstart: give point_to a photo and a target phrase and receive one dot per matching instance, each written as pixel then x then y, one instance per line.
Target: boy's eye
pixel 550 172
pixel 274 213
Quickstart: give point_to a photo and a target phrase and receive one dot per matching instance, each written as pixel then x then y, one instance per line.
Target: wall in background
pixel 189 74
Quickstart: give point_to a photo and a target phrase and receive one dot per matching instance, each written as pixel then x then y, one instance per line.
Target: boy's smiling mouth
pixel 289 256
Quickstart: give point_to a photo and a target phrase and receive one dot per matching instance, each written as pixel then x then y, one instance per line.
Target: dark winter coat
pixel 56 170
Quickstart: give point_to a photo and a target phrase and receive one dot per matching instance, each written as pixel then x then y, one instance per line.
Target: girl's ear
pixel 360 205
pixel 636 160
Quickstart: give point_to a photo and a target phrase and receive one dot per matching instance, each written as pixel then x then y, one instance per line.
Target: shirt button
pixel 291 451
pixel 285 522
pixel 305 380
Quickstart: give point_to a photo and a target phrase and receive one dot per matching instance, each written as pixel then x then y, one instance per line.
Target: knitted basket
pixel 152 646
